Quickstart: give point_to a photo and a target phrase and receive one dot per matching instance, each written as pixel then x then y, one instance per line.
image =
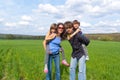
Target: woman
pixel 54 47
pixel 50 35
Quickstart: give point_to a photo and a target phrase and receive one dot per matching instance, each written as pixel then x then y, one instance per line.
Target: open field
pixel 24 60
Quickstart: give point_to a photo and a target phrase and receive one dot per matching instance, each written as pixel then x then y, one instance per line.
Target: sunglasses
pixel 60 27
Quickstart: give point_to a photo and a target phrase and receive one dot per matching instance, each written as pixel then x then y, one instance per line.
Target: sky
pixel 34 17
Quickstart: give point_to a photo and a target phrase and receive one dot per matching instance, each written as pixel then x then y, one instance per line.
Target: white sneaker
pixel 87 58
pixel 45 69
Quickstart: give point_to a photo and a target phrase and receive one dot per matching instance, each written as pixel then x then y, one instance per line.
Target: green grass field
pixel 24 60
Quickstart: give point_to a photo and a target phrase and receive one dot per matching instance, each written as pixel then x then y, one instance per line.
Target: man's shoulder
pixel 79 33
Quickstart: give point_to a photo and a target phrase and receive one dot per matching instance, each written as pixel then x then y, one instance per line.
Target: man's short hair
pixel 68 24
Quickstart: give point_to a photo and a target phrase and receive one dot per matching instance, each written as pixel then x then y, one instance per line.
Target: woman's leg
pixel 73 65
pixel 57 66
pixel 48 75
pixel 82 69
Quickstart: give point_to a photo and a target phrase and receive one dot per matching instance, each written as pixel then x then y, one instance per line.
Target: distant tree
pixel 42 37
pixel 10 36
pixel 37 37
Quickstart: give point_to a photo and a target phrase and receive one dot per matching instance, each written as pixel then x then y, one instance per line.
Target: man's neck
pixel 71 33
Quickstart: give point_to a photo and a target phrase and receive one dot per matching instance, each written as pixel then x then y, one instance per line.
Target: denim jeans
pixel 56 58
pixel 82 68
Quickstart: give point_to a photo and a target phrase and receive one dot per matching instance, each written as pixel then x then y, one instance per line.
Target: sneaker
pixel 45 70
pixel 65 63
pixel 87 58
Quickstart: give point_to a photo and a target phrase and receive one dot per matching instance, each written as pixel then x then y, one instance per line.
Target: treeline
pixel 102 37
pixel 105 37
pixel 14 36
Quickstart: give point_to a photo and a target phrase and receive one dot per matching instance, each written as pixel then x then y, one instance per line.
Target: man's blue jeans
pixel 56 58
pixel 82 68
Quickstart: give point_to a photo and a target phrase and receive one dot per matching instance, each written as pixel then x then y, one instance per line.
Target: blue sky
pixel 34 17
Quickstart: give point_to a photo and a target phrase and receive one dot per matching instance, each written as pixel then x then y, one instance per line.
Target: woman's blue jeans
pixel 56 58
pixel 82 68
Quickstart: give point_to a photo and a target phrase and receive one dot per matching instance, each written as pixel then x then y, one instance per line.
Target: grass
pixel 24 60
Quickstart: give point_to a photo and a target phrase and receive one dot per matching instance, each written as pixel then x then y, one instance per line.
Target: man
pixel 78 54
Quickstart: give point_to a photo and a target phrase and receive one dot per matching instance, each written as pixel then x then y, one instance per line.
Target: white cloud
pixel 26 18
pixel 108 23
pixel 85 24
pixel 101 27
pixel 47 8
pixel 24 23
pixel 84 11
pixel 41 28
pixel 1 19
pixel 94 15
pixel 93 8
pixel 10 24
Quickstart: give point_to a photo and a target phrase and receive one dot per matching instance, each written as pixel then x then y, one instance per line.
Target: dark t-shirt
pixel 76 43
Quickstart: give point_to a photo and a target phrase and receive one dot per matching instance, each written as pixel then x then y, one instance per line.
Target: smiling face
pixel 60 29
pixel 76 26
pixel 69 27
pixel 69 30
pixel 53 30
